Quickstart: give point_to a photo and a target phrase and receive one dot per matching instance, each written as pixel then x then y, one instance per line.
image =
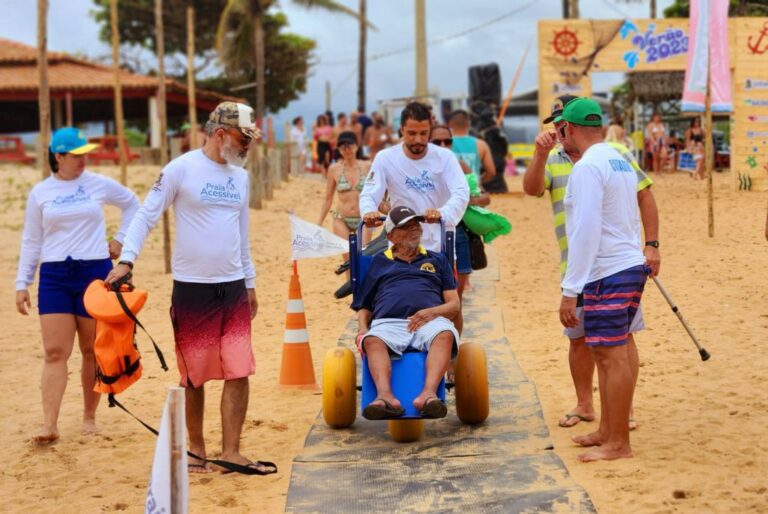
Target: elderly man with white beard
pixel 213 299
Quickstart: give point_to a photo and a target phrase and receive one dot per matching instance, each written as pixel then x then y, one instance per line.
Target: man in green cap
pixel 607 266
pixel 550 169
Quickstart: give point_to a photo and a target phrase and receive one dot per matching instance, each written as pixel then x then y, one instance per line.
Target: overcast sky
pixel 72 29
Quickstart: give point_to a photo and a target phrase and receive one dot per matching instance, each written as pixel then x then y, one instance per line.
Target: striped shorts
pixel 610 305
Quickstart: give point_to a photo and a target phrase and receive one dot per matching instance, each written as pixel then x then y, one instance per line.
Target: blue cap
pixel 70 140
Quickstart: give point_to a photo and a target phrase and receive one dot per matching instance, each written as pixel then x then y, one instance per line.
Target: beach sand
pixel 700 446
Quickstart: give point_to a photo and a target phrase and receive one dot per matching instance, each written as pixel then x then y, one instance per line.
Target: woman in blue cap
pixel 65 232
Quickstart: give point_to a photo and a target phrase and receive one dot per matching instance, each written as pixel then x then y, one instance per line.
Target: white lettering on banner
pixel 309 240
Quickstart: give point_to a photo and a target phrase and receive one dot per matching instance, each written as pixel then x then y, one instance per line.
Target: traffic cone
pixel 296 368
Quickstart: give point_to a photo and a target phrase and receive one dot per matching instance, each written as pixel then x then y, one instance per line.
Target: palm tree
pixel 247 15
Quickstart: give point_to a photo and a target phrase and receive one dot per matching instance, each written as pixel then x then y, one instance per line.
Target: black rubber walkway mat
pixel 503 465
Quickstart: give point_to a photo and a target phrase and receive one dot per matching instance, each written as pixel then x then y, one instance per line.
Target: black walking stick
pixel 704 353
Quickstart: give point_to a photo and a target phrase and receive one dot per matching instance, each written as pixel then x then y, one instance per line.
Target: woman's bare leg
pixel 58 332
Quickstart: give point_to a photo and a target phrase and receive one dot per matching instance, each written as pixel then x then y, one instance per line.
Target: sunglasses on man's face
pixel 561 130
pixel 442 142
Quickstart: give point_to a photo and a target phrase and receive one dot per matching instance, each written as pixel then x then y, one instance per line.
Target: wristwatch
pixel 655 244
pixel 130 264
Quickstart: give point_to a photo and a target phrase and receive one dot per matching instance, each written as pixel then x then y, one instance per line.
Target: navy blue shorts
pixel 63 283
pixel 463 258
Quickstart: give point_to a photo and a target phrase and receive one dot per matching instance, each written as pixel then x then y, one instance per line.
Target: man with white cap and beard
pixel 213 299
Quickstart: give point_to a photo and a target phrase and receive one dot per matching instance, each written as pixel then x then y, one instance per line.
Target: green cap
pixel 582 111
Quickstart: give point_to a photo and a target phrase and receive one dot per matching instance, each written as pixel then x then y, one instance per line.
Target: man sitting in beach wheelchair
pixel 405 304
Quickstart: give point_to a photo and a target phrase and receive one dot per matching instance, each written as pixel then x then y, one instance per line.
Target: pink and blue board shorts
pixel 212 328
pixel 610 305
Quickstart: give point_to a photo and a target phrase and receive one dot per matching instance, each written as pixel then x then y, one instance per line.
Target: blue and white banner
pixel 309 241
pixel 159 488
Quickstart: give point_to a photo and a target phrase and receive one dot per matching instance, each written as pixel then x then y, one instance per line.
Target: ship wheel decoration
pixel 565 43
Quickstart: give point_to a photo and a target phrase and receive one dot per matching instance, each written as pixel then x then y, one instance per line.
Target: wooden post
pixel 422 90
pixel 361 51
pixel 708 153
pixel 118 93
pixel 257 184
pixel 327 95
pixel 191 75
pixel 163 118
pixel 266 175
pixel 259 44
pixel 178 448
pixel 70 113
pixel 43 95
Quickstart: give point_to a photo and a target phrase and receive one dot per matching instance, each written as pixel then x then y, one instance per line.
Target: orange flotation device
pixel 117 355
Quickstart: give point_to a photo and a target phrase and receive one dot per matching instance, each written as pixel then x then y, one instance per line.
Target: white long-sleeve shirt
pixel 602 221
pixel 435 181
pixel 210 208
pixel 64 218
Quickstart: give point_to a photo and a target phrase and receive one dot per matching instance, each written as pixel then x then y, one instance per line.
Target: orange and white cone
pixel 296 368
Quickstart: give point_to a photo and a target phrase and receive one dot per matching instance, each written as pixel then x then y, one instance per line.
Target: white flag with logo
pixel 159 488
pixel 309 240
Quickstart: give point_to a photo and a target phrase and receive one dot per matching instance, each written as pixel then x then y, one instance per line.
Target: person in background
pixel 473 151
pixel 346 177
pixel 378 136
pixel 694 144
pixel 65 232
pixel 656 136
pixel 298 136
pixel 322 137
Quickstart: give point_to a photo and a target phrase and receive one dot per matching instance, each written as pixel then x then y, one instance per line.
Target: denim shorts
pixel 463 257
pixel 63 283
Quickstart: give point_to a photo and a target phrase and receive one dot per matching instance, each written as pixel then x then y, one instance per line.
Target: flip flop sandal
pixel 433 408
pixel 570 415
pixel 386 411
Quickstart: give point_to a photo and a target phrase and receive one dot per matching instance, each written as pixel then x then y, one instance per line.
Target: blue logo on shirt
pixel 422 183
pixel 80 196
pixel 620 165
pixel 220 193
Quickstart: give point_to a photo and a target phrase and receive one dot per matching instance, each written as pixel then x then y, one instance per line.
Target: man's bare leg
pixel 86 334
pixel 58 331
pixel 438 358
pixel 195 409
pixel 234 404
pixel 380 367
pixel 634 365
pixel 582 368
pixel 597 437
pixel 618 386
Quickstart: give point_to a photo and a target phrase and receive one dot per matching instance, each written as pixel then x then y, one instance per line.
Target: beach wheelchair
pixel 408 373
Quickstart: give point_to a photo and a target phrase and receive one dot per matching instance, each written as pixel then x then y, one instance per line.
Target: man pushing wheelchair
pixel 406 302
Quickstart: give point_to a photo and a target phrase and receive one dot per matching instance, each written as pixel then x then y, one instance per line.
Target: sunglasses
pixel 442 142
pixel 346 145
pixel 241 138
pixel 562 130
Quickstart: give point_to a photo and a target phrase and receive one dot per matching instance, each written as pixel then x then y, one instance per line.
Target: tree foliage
pixel 288 56
pixel 681 9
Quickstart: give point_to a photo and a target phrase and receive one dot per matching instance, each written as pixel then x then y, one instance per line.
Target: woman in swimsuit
pixel 655 134
pixel 323 134
pixel 694 144
pixel 346 177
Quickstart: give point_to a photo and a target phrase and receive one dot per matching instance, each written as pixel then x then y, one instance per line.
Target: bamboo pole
pixel 511 90
pixel 708 153
pixel 420 18
pixel 118 92
pixel 191 75
pixel 361 51
pixel 43 94
pixel 163 118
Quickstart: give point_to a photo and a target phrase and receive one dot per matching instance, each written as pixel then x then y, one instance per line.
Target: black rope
pixel 229 466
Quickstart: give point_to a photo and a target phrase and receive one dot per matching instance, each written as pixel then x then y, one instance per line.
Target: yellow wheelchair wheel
pixel 406 430
pixel 339 388
pixel 472 402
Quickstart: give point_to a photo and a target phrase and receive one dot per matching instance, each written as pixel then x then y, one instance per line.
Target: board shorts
pixel 463 257
pixel 611 304
pixel 394 333
pixel 577 332
pixel 212 329
pixel 63 283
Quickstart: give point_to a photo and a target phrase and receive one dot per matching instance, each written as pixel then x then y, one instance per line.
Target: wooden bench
pixel 108 150
pixel 12 150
